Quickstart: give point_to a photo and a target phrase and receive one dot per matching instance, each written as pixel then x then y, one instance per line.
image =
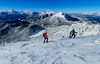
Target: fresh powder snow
pixel 81 50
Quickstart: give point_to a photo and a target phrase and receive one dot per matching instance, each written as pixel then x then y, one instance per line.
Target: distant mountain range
pixel 19 25
pixel 94 18
pixel 14 14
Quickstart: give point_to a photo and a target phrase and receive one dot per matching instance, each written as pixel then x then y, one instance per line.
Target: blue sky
pixel 56 5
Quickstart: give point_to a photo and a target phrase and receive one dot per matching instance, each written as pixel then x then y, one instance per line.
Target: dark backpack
pixel 43 34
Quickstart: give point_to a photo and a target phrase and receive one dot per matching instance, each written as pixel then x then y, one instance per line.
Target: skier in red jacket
pixel 45 37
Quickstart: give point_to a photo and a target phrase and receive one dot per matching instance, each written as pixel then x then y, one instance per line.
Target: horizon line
pixel 48 10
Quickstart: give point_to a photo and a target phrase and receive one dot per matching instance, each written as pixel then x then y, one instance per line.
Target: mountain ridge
pixel 21 27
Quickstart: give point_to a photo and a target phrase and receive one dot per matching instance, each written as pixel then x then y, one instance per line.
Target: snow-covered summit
pixel 47 12
pixel 64 16
pixel 59 14
pixel 29 12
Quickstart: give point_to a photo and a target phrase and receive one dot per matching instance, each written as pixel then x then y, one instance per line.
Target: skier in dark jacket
pixel 72 34
pixel 45 37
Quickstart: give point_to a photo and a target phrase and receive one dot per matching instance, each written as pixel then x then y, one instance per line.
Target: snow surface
pixel 97 41
pixel 37 33
pixel 64 31
pixel 82 29
pixel 84 49
pixel 81 50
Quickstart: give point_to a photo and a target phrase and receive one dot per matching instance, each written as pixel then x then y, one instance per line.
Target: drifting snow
pixel 81 50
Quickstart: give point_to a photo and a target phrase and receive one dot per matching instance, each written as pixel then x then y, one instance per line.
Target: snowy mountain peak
pixel 47 12
pixel 28 12
pixel 59 14
pixel 65 16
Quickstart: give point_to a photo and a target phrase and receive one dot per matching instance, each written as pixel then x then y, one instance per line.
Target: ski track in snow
pixel 80 50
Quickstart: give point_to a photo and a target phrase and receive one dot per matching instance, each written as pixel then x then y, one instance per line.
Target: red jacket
pixel 45 34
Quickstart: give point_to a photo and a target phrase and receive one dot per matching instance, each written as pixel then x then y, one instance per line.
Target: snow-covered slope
pixel 37 33
pixel 98 41
pixel 64 30
pixel 59 14
pixel 18 23
pixel 84 49
pixel 64 16
pixel 81 50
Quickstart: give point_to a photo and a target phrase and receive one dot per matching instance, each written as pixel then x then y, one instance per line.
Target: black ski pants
pixel 45 39
pixel 73 35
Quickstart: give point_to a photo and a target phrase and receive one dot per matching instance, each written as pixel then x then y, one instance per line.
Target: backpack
pixel 72 32
pixel 43 34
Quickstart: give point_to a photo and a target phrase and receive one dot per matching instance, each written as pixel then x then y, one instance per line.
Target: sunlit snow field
pixel 81 50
